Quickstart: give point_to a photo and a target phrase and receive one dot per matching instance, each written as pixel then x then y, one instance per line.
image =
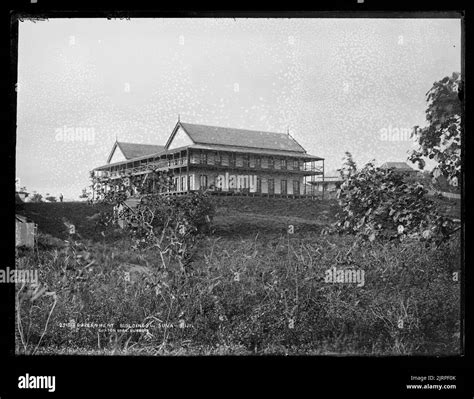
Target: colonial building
pixel 223 160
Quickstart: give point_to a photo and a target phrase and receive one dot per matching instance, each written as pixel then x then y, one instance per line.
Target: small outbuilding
pixel 25 232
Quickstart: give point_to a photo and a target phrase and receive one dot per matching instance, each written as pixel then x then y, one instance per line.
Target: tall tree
pixel 440 140
pixel 348 167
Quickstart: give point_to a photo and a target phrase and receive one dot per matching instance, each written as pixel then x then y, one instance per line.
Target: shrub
pixel 249 294
pixel 169 224
pixel 380 203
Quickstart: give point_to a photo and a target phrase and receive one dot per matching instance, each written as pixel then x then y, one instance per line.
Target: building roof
pixel 217 139
pixel 203 134
pixel 399 166
pixel 134 150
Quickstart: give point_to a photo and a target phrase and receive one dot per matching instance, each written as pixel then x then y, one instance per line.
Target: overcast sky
pixel 336 83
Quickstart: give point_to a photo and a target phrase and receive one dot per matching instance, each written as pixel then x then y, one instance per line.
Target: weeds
pixel 246 296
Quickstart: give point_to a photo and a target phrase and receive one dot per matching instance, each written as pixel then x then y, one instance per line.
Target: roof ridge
pixel 130 142
pixel 233 128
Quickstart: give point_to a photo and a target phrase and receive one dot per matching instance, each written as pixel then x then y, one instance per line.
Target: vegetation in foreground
pixel 248 294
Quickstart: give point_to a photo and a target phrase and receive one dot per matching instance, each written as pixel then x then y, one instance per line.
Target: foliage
pixel 165 223
pixel 51 198
pixel 246 296
pixel 349 167
pixel 384 204
pixel 84 194
pixel 441 139
pixel 242 294
pixel 36 197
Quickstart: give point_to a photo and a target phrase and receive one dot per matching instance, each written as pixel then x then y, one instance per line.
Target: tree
pixel 85 194
pixel 51 198
pixel 349 166
pixel 170 225
pixel 441 139
pixel 36 197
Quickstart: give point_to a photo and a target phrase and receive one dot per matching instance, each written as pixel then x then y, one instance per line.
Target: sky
pixel 336 84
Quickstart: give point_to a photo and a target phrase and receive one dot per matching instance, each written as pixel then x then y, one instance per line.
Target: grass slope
pixel 251 289
pixel 244 216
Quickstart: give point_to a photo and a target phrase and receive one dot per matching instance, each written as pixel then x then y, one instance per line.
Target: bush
pixel 168 224
pixel 380 203
pixel 263 296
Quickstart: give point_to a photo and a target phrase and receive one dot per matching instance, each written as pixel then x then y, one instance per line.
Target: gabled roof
pixel 215 139
pixel 134 150
pixel 214 135
pixel 398 166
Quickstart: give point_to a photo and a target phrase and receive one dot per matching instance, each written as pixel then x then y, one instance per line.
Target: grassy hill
pixel 50 218
pixel 234 216
pixel 241 216
pixel 248 216
pixel 250 289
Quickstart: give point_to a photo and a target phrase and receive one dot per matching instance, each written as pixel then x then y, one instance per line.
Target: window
pixel 284 187
pixel 195 157
pixel 296 164
pixel 296 187
pixel 283 163
pixel 183 183
pixel 203 181
pixel 271 186
pixel 259 185
pixel 239 161
pixel 245 161
pixel 211 158
pixel 224 159
pixel 203 158
pixel 258 162
pixel 271 162
pixel 218 158
pixel 232 159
